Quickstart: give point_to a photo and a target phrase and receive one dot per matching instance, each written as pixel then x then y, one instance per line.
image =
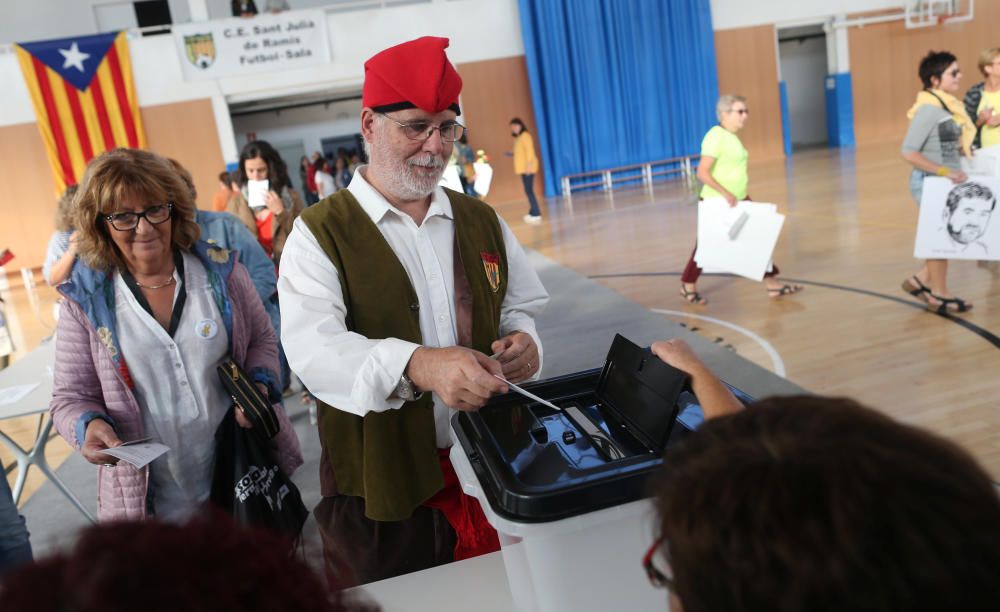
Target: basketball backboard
pixel 927 13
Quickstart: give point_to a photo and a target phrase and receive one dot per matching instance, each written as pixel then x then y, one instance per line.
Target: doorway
pixel 803 63
pixel 291 153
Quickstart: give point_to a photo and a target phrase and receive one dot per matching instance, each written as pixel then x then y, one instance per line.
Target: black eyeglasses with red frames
pixel 421 130
pixel 156 214
pixel 740 111
pixel 657 565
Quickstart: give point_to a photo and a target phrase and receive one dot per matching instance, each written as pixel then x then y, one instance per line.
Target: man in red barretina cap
pixel 401 302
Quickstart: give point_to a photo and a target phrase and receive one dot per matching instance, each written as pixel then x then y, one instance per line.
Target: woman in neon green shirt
pixel 723 171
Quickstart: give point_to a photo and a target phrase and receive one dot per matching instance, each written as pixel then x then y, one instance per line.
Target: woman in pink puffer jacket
pixel 149 313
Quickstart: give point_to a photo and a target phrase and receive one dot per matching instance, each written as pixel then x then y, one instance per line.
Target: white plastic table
pixel 477 584
pixel 35 367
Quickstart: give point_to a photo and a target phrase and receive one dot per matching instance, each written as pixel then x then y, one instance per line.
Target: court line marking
pixel 985 334
pixel 776 361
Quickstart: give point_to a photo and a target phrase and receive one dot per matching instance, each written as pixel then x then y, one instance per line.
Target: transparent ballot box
pixel 565 488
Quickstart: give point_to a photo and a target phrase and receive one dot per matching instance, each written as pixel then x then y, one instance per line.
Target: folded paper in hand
pixel 139 453
pixel 257 194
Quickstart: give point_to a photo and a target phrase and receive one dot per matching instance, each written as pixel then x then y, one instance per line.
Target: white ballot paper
pixel 139 453
pixel 527 394
pixel 12 395
pixel 257 193
pixel 747 254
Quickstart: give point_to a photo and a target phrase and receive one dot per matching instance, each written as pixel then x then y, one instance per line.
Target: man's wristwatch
pixel 405 389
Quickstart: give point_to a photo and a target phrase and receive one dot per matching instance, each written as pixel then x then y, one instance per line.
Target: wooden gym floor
pixel 848 238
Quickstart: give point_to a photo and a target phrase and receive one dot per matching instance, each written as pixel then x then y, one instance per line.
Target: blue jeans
pixel 15 549
pixel 529 190
pixel 917 184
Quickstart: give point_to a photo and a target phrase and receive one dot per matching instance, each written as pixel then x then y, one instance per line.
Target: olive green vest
pixel 390 458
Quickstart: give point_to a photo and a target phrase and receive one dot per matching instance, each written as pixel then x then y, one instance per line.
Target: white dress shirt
pixel 358 374
pixel 179 393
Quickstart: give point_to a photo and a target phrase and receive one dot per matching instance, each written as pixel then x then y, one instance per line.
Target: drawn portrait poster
pixel 956 221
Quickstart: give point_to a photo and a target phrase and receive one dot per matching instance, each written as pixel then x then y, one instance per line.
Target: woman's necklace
pixel 170 281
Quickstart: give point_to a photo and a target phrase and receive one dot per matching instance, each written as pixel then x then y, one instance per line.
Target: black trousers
pixel 358 550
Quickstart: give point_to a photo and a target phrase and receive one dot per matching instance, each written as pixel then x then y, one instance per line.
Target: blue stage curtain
pixel 618 82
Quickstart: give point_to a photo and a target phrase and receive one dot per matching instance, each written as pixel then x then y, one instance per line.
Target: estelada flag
pixel 84 99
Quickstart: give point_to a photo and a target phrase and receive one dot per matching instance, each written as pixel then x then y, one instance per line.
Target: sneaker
pixel 533 219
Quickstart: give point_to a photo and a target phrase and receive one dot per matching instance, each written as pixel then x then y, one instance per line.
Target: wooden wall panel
pixel 748 65
pixel 185 131
pixel 493 92
pixel 29 205
pixel 884 62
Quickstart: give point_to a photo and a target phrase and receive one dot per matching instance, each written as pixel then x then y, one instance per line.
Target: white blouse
pixel 177 387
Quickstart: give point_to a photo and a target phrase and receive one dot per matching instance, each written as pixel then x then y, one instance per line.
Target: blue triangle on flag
pixel 75 59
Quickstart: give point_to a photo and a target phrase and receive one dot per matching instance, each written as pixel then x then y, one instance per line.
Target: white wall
pixel 307 125
pixel 478 29
pixel 46 19
pixel 728 14
pixel 217 9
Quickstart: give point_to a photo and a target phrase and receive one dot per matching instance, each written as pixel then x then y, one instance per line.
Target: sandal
pixel 917 289
pixel 784 290
pixel 945 304
pixel 692 297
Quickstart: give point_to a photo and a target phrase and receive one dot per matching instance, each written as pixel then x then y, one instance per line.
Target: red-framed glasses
pixel 660 578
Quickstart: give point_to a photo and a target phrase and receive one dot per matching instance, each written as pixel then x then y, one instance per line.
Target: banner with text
pixel 264 43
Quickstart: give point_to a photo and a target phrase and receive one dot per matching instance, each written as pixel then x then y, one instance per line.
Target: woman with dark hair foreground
pixel 820 504
pixel 271 218
pixel 209 564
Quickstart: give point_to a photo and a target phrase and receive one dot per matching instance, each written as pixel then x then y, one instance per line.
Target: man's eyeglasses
pixel 740 111
pixel 421 130
pixel 130 220
pixel 659 578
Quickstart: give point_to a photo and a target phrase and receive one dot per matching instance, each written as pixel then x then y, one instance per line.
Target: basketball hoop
pixel 928 13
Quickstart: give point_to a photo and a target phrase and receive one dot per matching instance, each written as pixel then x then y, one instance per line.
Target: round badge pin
pixel 206 329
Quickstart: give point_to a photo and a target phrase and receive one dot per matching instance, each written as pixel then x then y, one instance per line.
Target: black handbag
pixel 247 397
pixel 248 483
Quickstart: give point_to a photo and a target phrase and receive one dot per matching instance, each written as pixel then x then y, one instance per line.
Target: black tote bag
pixel 248 483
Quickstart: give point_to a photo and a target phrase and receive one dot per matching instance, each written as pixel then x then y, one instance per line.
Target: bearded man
pixel 402 301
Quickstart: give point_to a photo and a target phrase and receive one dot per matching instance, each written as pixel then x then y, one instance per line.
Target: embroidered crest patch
pixel 491 264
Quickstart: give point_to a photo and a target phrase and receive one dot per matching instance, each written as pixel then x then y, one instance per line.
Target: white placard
pixel 955 220
pixel 749 254
pixel 264 43
pixel 484 177
pixel 984 162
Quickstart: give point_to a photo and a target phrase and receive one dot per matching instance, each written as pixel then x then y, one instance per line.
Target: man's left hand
pixel 518 356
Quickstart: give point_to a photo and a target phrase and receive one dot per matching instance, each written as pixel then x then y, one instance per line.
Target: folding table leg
pixel 36 456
